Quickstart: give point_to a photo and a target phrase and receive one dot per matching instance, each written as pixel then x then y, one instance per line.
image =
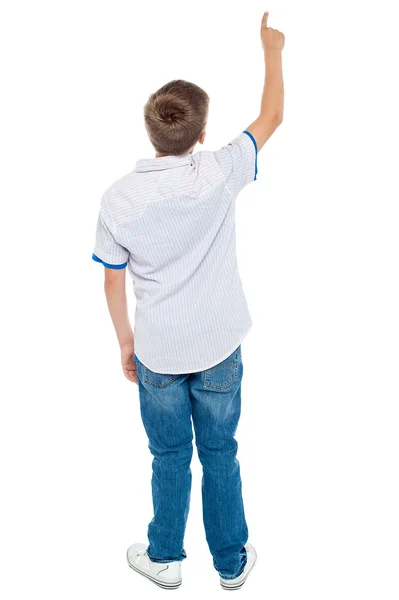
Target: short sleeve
pixel 238 161
pixel 106 249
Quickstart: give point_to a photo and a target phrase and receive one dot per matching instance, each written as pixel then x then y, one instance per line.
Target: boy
pixel 171 223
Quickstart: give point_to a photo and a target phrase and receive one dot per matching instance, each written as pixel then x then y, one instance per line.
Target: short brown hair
pixel 175 116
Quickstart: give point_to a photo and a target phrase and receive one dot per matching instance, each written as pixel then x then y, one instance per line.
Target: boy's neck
pixel 177 155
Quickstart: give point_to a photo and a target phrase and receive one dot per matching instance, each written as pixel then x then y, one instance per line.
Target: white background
pixel 317 238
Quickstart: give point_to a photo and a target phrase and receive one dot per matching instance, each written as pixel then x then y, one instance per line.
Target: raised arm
pixel 272 104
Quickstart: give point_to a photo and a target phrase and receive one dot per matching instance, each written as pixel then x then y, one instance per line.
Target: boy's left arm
pixel 114 257
pixel 115 292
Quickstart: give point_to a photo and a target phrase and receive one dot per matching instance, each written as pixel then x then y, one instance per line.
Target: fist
pixel 271 38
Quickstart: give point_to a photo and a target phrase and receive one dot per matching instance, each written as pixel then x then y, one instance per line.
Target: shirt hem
pixel 197 370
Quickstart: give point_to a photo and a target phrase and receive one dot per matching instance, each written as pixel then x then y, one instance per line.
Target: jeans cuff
pixel 239 573
pixel 182 556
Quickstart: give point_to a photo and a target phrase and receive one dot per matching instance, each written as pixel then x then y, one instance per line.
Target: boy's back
pixel 171 221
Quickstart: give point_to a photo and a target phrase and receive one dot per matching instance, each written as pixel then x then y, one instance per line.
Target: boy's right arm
pixel 237 159
pixel 272 104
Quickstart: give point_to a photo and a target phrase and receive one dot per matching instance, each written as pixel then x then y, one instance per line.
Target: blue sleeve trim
pixel 94 257
pixel 256 151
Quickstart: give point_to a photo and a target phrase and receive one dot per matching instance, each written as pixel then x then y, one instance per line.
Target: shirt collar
pixel 163 162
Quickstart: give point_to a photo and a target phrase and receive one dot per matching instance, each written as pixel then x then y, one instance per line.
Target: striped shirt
pixel 171 222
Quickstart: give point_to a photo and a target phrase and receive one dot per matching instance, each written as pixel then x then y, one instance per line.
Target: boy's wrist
pixel 270 51
pixel 127 340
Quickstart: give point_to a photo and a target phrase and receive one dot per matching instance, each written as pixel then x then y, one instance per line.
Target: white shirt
pixel 171 222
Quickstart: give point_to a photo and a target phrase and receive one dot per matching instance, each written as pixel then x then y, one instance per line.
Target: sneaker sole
pixel 165 586
pixel 239 585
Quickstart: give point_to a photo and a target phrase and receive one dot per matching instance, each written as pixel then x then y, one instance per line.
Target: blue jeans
pixel 169 405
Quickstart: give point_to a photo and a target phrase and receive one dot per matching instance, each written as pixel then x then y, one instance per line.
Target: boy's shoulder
pixel 204 160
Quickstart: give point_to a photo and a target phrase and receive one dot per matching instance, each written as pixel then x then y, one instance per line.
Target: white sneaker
pixel 235 584
pixel 166 575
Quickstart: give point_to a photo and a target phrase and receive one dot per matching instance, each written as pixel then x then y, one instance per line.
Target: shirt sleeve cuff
pixel 256 150
pixel 108 265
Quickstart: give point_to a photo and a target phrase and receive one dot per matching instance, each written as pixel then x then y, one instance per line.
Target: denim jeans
pixel 170 405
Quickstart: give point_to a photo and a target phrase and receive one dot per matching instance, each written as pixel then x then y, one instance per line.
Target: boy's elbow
pixel 272 120
pixel 278 118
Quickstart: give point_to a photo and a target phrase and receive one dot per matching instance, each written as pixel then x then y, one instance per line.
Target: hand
pixel 272 39
pixel 128 363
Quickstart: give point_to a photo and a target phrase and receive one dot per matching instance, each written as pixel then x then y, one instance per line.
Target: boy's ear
pixel 202 137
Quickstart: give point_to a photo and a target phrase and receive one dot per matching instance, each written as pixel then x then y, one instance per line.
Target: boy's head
pixel 175 117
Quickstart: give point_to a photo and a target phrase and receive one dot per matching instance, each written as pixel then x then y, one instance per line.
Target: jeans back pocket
pixel 159 380
pixel 224 374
